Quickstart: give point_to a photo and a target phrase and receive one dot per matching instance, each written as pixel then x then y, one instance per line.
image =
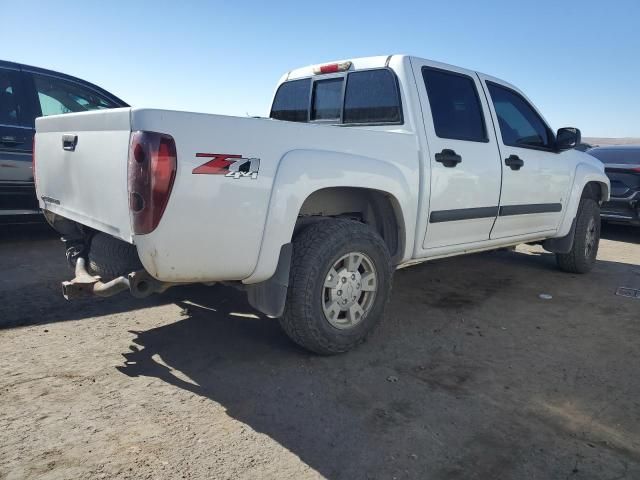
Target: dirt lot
pixel 472 376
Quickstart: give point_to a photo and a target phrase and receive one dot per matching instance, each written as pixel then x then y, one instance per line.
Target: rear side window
pixel 520 125
pixel 57 96
pixel 9 103
pixel 327 99
pixel 629 156
pixel 455 105
pixel 371 97
pixel 292 101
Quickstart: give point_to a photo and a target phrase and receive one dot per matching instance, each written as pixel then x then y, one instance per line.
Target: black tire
pixel 582 258
pixel 110 257
pixel 315 251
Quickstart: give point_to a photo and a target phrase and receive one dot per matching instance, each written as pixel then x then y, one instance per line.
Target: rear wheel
pixel 582 256
pixel 339 285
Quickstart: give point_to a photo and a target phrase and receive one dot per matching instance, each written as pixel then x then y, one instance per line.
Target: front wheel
pixel 339 285
pixel 582 256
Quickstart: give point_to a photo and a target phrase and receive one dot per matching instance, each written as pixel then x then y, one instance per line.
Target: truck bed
pixel 212 228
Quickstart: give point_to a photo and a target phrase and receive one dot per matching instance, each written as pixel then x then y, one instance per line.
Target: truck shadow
pixel 339 420
pixel 424 396
pixel 441 390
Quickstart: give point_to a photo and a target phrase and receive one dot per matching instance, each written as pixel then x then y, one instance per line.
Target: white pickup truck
pixel 365 166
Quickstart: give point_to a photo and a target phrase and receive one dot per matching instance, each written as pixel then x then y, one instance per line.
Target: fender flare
pixel 303 172
pixel 585 173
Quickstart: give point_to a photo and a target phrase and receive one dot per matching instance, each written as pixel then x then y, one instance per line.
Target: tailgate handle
pixel 69 142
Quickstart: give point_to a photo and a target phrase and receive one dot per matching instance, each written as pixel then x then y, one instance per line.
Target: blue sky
pixel 577 60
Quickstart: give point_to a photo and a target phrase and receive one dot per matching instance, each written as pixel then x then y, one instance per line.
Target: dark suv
pixel 26 93
pixel 622 165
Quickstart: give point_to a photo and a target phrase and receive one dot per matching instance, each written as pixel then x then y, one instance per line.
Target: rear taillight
pixel 152 170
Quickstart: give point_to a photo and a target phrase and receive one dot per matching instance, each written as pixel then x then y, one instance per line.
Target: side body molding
pixel 302 172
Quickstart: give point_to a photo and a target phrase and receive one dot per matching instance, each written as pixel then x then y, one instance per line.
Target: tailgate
pixel 86 179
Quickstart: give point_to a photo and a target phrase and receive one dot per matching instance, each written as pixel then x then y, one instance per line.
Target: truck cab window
pixel 57 96
pixel 520 125
pixel 455 105
pixel 291 102
pixel 327 99
pixel 371 97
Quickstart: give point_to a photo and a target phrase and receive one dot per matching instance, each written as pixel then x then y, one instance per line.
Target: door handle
pixel 514 162
pixel 69 142
pixel 448 158
pixel 11 141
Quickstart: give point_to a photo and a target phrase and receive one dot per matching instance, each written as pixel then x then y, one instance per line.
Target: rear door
pixel 462 156
pixel 17 193
pixel 535 177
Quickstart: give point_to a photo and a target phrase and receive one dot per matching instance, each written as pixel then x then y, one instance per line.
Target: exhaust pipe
pixel 139 283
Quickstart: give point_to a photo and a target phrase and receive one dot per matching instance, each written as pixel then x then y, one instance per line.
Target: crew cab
pixel 365 166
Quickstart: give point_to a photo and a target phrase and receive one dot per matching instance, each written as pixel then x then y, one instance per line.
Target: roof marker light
pixel 331 68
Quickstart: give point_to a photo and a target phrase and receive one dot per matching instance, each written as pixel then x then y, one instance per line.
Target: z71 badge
pixel 229 165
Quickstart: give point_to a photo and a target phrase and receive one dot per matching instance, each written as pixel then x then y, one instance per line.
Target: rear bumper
pixel 623 210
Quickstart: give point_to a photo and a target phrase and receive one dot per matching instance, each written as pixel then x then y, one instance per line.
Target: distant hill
pixel 611 141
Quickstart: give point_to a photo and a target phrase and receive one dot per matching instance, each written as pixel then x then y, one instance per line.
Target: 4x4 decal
pixel 229 165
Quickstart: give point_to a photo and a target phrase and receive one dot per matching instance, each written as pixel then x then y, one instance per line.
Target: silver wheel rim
pixel 590 243
pixel 349 290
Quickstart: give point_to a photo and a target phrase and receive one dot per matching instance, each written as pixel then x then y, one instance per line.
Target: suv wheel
pixel 339 285
pixel 582 256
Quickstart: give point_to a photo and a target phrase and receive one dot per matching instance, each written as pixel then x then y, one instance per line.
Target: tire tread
pixel 309 247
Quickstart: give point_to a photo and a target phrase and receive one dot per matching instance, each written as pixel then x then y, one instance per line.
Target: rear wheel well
pixel 377 209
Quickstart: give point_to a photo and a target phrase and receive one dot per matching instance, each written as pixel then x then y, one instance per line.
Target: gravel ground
pixel 471 376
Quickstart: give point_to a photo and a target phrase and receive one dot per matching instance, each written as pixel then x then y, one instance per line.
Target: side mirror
pixel 568 138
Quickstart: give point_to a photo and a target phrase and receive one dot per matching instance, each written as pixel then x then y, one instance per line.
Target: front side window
pixel 371 96
pixel 520 125
pixel 57 96
pixel 9 104
pixel 327 99
pixel 455 105
pixel 291 102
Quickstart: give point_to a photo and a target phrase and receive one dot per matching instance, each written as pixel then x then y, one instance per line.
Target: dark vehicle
pixel 622 166
pixel 26 93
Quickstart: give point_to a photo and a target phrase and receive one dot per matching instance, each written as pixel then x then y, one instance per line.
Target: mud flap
pixel 561 244
pixel 270 296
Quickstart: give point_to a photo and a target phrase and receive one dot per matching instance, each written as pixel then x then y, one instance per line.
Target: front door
pixel 462 156
pixel 536 180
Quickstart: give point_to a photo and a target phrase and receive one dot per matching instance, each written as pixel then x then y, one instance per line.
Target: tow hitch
pixel 139 283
